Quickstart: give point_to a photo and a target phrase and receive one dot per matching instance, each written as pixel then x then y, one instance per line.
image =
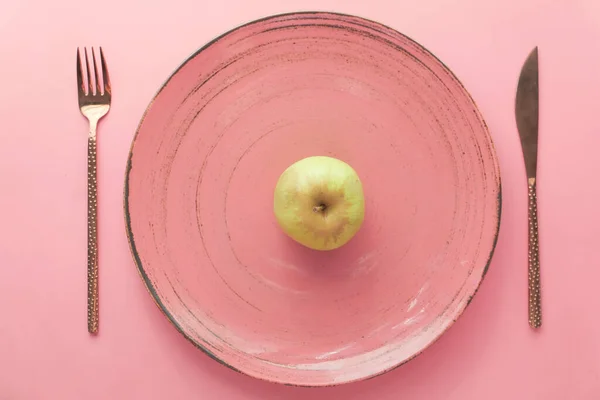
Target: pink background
pixel 45 350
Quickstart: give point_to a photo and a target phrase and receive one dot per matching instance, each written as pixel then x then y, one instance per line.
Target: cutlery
pixel 526 113
pixel 94 103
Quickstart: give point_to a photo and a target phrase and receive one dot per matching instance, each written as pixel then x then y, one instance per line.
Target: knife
pixel 526 114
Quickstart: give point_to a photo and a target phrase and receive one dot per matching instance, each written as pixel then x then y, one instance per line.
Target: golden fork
pixel 94 103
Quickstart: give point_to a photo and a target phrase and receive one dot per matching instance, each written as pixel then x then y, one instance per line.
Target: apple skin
pixel 319 202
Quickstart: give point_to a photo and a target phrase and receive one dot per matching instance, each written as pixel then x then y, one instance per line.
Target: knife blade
pixel 527 118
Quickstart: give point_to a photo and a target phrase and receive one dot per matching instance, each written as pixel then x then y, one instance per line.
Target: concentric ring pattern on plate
pixel 199 198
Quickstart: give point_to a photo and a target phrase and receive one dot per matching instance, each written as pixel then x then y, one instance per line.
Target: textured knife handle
pixel 92 253
pixel 535 305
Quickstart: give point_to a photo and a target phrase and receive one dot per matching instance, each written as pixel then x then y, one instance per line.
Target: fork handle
pixel 92 252
pixel 535 305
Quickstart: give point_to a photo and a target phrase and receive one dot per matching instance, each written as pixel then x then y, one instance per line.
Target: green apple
pixel 319 202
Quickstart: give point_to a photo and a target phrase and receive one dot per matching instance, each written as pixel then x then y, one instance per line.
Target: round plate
pixel 199 198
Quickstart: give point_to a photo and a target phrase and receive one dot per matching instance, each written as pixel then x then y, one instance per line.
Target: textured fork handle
pixel 92 254
pixel 535 304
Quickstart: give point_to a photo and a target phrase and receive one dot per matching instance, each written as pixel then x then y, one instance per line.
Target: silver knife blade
pixel 527 111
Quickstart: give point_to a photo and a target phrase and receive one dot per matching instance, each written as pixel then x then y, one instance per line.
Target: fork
pixel 94 103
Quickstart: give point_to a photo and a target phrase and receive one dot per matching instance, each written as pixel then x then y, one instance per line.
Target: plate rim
pixel 146 280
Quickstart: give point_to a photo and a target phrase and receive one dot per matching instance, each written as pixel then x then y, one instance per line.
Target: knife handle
pixel 535 305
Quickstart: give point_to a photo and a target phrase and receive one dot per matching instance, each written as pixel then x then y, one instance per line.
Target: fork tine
pixel 105 76
pixel 80 87
pixel 98 89
pixel 90 87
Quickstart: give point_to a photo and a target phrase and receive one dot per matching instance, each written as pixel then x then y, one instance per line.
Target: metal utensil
pixel 526 113
pixel 94 103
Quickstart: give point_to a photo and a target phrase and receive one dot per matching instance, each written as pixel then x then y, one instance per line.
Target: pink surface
pixel 205 162
pixel 45 351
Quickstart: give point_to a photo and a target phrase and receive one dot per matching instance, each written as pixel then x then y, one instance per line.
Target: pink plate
pixel 199 198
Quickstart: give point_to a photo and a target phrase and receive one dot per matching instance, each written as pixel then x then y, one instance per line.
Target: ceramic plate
pixel 199 198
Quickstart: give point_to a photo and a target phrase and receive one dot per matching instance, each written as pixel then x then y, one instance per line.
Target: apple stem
pixel 319 208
